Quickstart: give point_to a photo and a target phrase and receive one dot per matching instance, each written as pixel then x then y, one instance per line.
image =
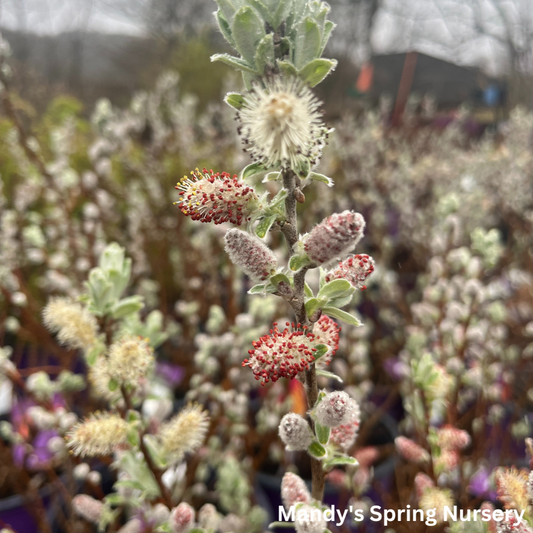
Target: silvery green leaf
pixel 322 433
pixel 264 54
pixel 92 355
pixel 343 461
pixel 252 170
pixel 127 306
pixel 150 441
pixel 326 34
pixel 263 10
pixel 258 289
pixel 316 70
pixel 272 176
pixel 321 350
pixel 308 291
pixel 313 176
pixel 234 100
pixel 303 168
pixel 249 80
pixel 341 301
pixel 341 315
pixel 296 262
pixel 228 9
pixel 313 305
pixel 282 12
pixel 278 278
pixel 288 525
pixel 224 26
pixel 326 374
pixel 307 44
pixel 278 199
pixel 235 62
pixel 247 30
pixel 264 226
pixel 317 450
pixel 286 68
pixel 335 289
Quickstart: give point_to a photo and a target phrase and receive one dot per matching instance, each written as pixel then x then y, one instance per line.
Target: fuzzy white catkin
pixel 311 521
pixel 335 409
pixel 87 507
pixel 133 526
pixel 295 432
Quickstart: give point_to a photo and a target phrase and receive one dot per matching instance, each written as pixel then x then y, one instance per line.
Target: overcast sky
pixel 444 28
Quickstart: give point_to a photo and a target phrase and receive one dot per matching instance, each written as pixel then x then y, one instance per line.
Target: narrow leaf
pixel 312 306
pixel 272 176
pixel 322 433
pixel 287 68
pixel 313 176
pixel 321 349
pixel 264 226
pixel 336 288
pixel 341 315
pixel 282 12
pixel 288 525
pixel 297 262
pixel 326 34
pixel 235 62
pixel 307 45
pixel 341 301
pixel 326 374
pixel 308 291
pixel 227 9
pixel 264 54
pixel 235 100
pixel 278 199
pixel 316 70
pixel 317 450
pixel 343 461
pixel 247 31
pixel 252 170
pixel 263 10
pixel 224 26
pixel 278 278
pixel 257 289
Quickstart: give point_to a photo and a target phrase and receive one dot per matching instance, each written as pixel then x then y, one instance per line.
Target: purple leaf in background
pixel 480 484
pixel 172 374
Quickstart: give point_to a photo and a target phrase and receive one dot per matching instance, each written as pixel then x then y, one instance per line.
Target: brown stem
pixel 290 231
pixel 156 472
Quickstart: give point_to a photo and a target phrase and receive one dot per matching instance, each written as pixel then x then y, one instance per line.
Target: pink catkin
pixel 281 354
pixel 334 237
pixel 355 269
pixel 327 331
pixel 249 253
pixel 451 438
pixel 422 482
pixel 411 451
pixel 216 197
pixel 294 490
pixel 182 518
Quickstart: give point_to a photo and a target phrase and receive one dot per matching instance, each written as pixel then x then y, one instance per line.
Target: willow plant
pixel 279 45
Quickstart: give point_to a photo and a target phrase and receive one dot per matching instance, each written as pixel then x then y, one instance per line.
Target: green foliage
pixel 296 34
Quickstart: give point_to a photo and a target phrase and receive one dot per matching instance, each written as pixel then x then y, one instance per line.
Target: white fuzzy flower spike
pixel 281 124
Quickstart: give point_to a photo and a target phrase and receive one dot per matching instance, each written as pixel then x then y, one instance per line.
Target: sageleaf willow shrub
pixel 280 44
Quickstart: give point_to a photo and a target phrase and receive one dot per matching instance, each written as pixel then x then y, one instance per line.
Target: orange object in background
pixel 299 399
pixel 364 81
